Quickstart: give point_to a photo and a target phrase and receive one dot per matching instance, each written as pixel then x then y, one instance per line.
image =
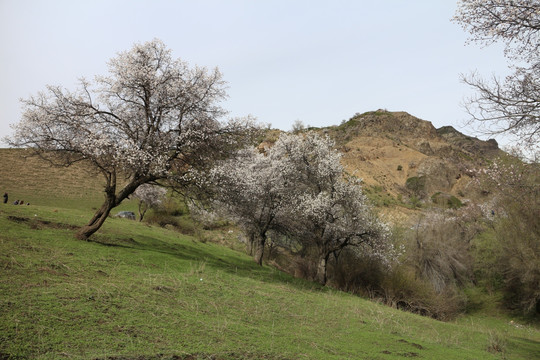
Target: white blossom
pixel 151 117
pixel 298 188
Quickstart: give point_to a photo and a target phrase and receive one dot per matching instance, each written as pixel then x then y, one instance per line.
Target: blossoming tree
pixel 150 196
pixel 327 211
pixel 151 118
pixel 298 188
pixel 250 192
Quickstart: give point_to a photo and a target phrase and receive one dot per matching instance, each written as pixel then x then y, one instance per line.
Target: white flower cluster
pixel 298 188
pixel 149 112
pixel 515 22
pixel 152 195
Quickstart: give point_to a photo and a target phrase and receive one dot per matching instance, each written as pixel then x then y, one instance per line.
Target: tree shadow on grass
pixel 526 346
pixel 231 261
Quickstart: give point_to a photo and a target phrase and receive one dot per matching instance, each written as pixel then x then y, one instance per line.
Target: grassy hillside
pixel 27 177
pixel 143 292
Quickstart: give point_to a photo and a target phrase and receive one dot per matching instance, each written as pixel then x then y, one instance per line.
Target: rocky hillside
pixel 405 160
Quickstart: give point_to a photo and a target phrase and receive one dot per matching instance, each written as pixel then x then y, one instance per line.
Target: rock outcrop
pixel 387 148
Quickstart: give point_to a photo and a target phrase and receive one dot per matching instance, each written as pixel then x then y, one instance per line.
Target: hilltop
pixel 386 148
pixel 402 158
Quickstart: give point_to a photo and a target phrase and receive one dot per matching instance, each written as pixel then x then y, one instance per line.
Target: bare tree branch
pixel 513 105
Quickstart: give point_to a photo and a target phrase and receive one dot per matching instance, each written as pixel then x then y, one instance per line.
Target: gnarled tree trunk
pixel 112 200
pixel 259 243
pixel 97 221
pixel 322 264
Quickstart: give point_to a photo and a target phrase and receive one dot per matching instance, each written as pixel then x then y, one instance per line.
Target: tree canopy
pixel 298 189
pixel 151 117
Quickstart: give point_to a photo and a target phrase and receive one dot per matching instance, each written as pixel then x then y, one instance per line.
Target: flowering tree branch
pixel 152 117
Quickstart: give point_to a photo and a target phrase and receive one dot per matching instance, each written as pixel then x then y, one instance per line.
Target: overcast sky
pixel 315 61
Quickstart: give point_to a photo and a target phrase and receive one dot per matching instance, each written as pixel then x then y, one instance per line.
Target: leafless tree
pixel 297 126
pixel 511 105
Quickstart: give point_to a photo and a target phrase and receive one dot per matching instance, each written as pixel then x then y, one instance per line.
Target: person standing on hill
pixel 5 198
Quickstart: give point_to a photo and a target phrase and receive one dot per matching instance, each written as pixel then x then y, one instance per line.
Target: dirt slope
pixel 401 156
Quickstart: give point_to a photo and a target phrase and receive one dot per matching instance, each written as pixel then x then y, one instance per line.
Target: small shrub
pixel 297 126
pixel 454 203
pixel 397 286
pixel 161 218
pixel 486 253
pixel 415 202
pixel 304 267
pixel 402 289
pixel 357 274
pixel 496 343
pixel 446 200
pixel 440 250
pixel 202 236
pixel 173 206
pixel 186 226
pixel 519 262
pixel 416 184
pixel 399 167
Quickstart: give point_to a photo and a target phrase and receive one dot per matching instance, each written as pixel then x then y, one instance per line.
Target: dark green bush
pixel 446 200
pixel 415 202
pixel 416 184
pixel 519 260
pixel 161 218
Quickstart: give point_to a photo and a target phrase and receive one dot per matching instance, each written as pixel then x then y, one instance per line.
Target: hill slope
pixel 141 292
pixel 390 149
pixel 387 148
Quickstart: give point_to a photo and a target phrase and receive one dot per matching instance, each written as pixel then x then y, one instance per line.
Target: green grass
pixel 379 197
pixel 139 291
pixel 26 177
pixel 144 292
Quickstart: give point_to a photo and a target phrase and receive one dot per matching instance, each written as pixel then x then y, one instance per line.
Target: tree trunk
pixel 112 200
pixel 259 250
pixel 97 220
pixel 321 268
pixel 250 245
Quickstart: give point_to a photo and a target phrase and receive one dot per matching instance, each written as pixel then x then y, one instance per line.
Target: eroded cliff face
pixel 406 156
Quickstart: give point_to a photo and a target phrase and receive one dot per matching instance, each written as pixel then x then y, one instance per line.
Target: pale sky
pixel 284 60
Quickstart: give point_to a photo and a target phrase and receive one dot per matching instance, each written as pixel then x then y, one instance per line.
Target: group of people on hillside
pixel 16 202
